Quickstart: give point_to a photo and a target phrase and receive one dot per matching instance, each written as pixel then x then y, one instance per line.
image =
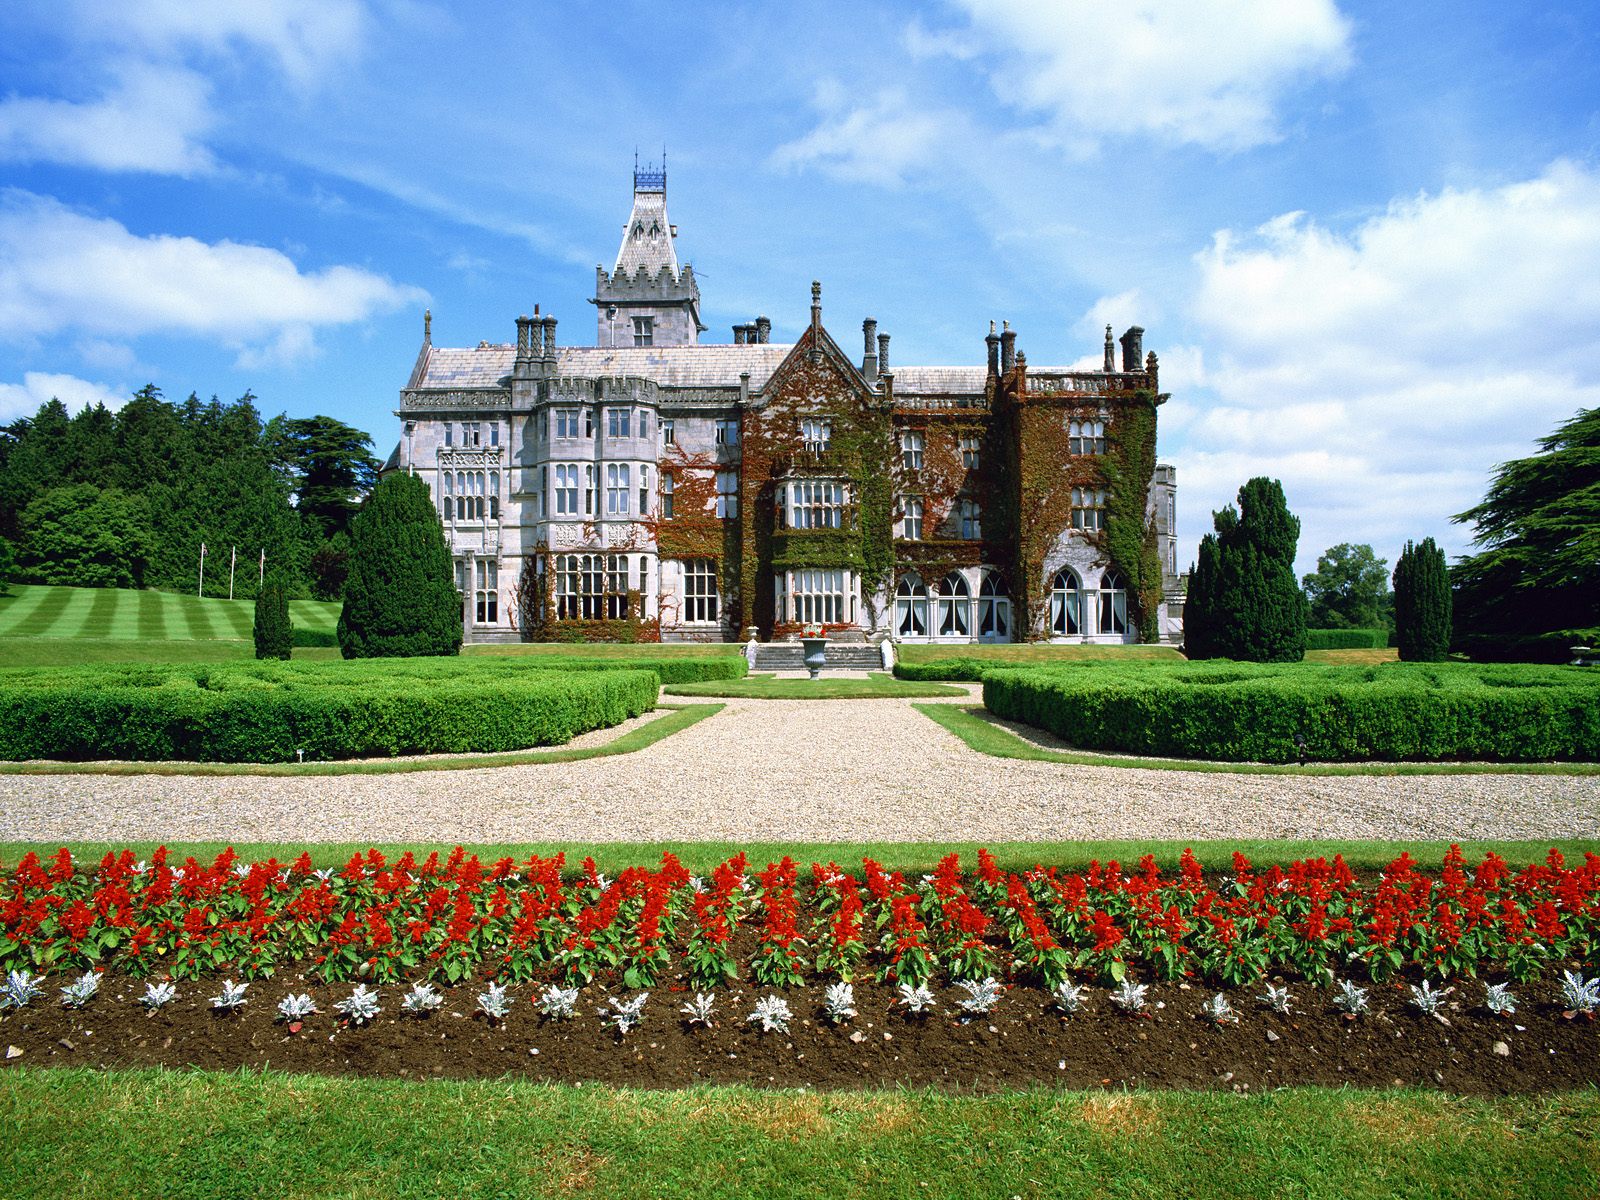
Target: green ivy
pixel 1130 534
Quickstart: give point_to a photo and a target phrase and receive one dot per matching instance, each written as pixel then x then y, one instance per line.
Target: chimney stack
pixel 524 339
pixel 1111 352
pixel 993 342
pixel 816 304
pixel 549 349
pixel 1008 347
pixel 738 335
pixel 869 351
pixel 427 327
pixel 763 330
pixel 883 354
pixel 1133 349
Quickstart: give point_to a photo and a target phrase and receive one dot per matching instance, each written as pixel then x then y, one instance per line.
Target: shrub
pixel 1347 639
pixel 314 637
pixel 274 632
pixel 1237 712
pixel 1243 600
pixel 666 669
pixel 1422 603
pixel 265 712
pixel 400 598
pixel 958 670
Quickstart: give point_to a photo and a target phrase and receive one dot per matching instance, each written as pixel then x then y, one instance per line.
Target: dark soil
pixel 1025 1041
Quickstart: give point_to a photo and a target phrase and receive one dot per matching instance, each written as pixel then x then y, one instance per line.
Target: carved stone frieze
pixel 474 456
pixel 428 398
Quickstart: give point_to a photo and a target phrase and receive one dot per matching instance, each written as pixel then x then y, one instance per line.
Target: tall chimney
pixel 738 335
pixel 1111 353
pixel 1008 347
pixel 993 341
pixel 869 351
pixel 763 330
pixel 524 339
pixel 816 304
pixel 427 327
pixel 883 353
pixel 549 351
pixel 1133 349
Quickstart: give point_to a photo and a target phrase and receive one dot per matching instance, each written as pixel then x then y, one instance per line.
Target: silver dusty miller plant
pixel 624 1015
pixel 158 995
pixel 360 1006
pixel 1428 999
pixel 1580 995
pixel 423 998
pixel 1130 996
pixel 982 995
pixel 1350 998
pixel 21 989
pixel 772 1014
pixel 1277 998
pixel 839 1002
pixel 698 1008
pixel 231 996
pixel 917 1000
pixel 1219 1011
pixel 494 1003
pixel 1070 997
pixel 1497 998
pixel 76 995
pixel 294 1008
pixel 557 1003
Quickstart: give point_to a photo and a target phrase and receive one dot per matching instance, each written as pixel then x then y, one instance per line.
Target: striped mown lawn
pixel 37 611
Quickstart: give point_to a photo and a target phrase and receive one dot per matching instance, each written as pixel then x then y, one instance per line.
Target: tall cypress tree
pixel 274 632
pixel 1199 615
pixel 400 598
pixel 1250 605
pixel 1422 608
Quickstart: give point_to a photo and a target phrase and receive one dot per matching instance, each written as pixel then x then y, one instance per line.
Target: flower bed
pixel 1304 972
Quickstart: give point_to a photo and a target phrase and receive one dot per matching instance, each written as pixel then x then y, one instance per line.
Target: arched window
pixel 1066 605
pixel 955 606
pixel 911 607
pixel 1113 604
pixel 994 607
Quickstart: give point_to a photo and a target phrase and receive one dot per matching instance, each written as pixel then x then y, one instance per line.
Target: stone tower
pixel 647 299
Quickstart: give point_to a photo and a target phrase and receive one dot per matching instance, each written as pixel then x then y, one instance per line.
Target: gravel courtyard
pixel 795 770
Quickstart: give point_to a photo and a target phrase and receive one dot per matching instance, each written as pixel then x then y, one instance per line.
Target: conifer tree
pixel 1250 605
pixel 274 632
pixel 1199 617
pixel 1422 603
pixel 400 598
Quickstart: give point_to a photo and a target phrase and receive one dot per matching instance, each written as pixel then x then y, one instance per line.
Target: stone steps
pixel 790 656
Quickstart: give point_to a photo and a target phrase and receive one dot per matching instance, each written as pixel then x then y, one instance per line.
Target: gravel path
pixel 843 770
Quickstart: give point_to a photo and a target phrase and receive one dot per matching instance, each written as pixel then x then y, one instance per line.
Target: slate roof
pixel 647 238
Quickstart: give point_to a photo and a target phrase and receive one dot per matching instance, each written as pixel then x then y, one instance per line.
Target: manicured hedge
pixel 956 670
pixel 265 711
pixel 314 637
pixel 1346 639
pixel 669 669
pixel 1238 712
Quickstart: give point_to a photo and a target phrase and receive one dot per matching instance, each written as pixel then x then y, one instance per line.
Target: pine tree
pixel 400 598
pixel 273 630
pixel 1422 603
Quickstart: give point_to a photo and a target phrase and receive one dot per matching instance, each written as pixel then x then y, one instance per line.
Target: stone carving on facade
pixel 421 399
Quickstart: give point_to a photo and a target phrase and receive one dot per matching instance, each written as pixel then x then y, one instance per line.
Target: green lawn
pixel 204 1134
pixel 877 686
pixel 37 611
pixel 610 649
pixel 1035 652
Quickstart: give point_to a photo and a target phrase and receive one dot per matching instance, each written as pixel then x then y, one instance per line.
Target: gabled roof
pixel 669 366
pixel 647 239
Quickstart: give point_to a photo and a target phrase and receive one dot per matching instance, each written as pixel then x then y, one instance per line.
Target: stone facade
pixel 654 486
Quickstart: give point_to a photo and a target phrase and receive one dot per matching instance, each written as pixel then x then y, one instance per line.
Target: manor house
pixel 657 485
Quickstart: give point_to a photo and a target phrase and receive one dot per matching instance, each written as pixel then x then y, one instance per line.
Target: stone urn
pixel 815 653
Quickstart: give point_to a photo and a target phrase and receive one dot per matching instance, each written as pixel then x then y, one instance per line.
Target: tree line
pixel 126 499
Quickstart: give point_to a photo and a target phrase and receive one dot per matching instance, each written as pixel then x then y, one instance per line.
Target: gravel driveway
pixel 844 770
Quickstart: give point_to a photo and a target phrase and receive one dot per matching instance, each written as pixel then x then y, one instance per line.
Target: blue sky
pixel 1364 239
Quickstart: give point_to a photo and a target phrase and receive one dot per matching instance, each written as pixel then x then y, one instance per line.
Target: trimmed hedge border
pixel 954 670
pixel 1241 712
pixel 1347 639
pixel 668 670
pixel 265 712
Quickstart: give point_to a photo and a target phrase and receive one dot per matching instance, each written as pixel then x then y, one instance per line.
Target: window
pixel 1088 508
pixel 468 491
pixel 617 485
pixel 616 586
pixel 567 489
pixel 911 607
pixel 666 497
pixel 449 434
pixel 727 494
pixel 955 606
pixel 911 518
pixel 494 495
pixel 644 331
pixel 1086 437
pixel 816 434
pixel 461 576
pixel 911 447
pixel 447 503
pixel 1066 605
pixel 728 433
pixel 588 422
pixel 644 491
pixel 470 433
pixel 969 452
pixel 590 587
pixel 544 492
pixel 669 433
pixel 619 423
pixel 816 504
pixel 494 434
pixel 566 423
pixel 994 607
pixel 700 590
pixel 487 596
pixel 1113 604
pixel 971 520
pixel 817 597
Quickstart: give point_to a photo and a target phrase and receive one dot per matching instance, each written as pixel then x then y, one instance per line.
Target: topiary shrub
pixel 1347 639
pixel 274 632
pixel 1422 603
pixel 400 598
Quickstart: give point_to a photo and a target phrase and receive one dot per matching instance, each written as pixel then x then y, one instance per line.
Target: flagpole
pixel 200 584
pixel 261 575
pixel 233 561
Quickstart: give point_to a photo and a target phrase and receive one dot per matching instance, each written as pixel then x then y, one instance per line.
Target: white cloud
pixel 1382 372
pixel 880 142
pixel 150 119
pixel 37 388
pixel 61 270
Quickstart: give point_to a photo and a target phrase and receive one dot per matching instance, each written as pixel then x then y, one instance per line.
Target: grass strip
pixel 911 858
pixel 969 723
pixel 202 1134
pixel 152 621
pixel 196 617
pixel 42 619
pixel 876 686
pixel 19 606
pixel 673 720
pixel 100 615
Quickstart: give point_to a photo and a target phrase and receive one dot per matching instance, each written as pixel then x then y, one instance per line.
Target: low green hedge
pixel 1242 712
pixel 266 711
pixel 668 669
pixel 1346 639
pixel 955 670
pixel 314 637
